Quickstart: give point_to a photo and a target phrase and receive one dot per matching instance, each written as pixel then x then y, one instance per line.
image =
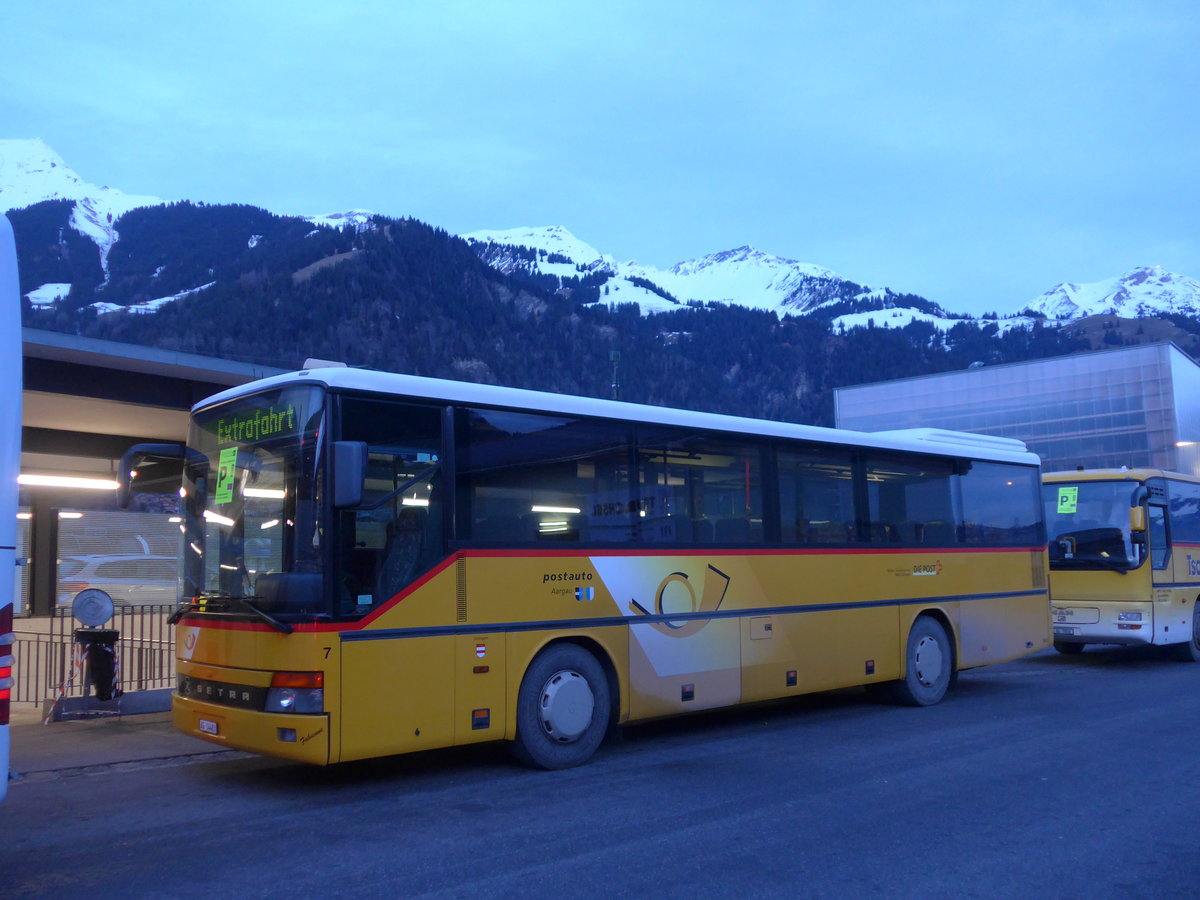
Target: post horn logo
pixel 679 622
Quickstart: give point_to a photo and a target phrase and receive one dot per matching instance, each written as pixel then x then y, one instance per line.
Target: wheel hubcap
pixel 929 661
pixel 566 706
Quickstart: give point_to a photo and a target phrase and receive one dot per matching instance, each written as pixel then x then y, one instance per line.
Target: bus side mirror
pixel 132 458
pixel 349 473
pixel 1137 519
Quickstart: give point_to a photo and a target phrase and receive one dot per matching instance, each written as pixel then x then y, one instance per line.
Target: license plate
pixel 1066 630
pixel 208 726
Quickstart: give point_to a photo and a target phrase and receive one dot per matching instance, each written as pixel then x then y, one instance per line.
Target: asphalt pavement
pixel 1069 777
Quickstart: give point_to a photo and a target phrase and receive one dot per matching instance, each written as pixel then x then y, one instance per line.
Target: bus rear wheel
pixel 563 708
pixel 1068 647
pixel 1189 651
pixel 929 664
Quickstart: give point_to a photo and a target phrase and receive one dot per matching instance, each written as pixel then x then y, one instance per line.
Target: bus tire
pixel 929 664
pixel 1189 651
pixel 563 708
pixel 1069 648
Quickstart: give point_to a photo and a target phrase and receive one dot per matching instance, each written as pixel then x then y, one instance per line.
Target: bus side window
pixel 816 496
pixel 1185 512
pixel 525 477
pixel 999 504
pixel 909 501
pixel 698 488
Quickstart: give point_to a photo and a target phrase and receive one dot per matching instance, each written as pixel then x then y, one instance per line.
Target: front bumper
pixel 1098 622
pixel 304 738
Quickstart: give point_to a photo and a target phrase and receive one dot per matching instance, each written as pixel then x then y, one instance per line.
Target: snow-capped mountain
pixel 743 276
pixel 31 172
pixel 1139 293
pixel 553 240
pixel 748 277
pixel 358 219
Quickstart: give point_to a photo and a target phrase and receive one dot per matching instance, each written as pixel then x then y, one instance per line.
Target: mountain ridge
pixel 239 282
pixel 31 172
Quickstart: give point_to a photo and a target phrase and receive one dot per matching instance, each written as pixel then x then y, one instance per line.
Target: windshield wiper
pixel 282 627
pixel 199 603
pixel 182 610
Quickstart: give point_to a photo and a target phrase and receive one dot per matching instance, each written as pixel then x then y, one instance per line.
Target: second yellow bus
pixel 1124 547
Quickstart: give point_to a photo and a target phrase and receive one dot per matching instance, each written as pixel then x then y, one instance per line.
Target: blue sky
pixel 976 154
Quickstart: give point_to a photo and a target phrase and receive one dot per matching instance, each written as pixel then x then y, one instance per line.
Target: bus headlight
pixel 296 692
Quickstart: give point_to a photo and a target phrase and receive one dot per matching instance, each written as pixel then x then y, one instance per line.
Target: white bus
pixel 10 462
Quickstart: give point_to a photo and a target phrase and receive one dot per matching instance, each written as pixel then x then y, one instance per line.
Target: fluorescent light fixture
pixel 175 520
pixel 66 481
pixel 229 568
pixel 70 515
pixel 413 501
pixel 25 515
pixel 196 548
pixel 1185 443
pixel 265 525
pixel 568 510
pixel 264 493
pixel 218 519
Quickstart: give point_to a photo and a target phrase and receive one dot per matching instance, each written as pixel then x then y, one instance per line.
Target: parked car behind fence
pixel 128 579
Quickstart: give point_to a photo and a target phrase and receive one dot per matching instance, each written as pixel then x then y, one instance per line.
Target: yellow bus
pixel 380 563
pixel 1124 548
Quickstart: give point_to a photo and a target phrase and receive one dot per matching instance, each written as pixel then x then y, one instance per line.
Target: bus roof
pixel 917 440
pixel 1121 474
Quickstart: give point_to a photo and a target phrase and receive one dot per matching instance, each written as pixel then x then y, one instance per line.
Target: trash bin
pixel 100 651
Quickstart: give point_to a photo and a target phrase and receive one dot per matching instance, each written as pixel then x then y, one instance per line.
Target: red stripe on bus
pixel 749 551
pixel 369 619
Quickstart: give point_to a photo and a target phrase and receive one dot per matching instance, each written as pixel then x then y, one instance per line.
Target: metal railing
pixel 45 666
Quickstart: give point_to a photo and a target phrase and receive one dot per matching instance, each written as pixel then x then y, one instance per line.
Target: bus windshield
pixel 252 522
pixel 1087 523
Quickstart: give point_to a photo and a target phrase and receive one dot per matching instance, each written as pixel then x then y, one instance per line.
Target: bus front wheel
pixel 929 664
pixel 1070 648
pixel 1189 651
pixel 563 708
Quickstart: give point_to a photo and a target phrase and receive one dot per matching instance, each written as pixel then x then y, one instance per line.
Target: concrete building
pixel 1134 406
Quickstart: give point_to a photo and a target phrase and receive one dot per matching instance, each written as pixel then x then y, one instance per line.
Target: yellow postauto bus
pixel 1124 548
pixel 378 563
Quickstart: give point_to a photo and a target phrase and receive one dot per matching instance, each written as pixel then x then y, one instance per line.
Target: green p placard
pixel 227 472
pixel 1068 500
